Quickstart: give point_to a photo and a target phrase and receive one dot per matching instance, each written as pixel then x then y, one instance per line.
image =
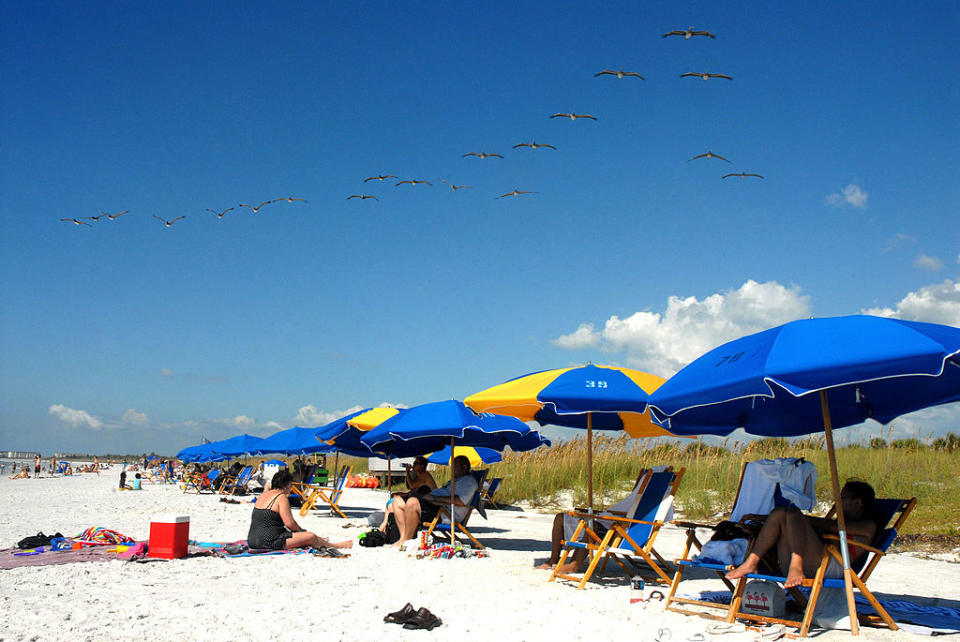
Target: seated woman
pixel 272 525
pixel 797 536
pixel 419 481
pixel 23 474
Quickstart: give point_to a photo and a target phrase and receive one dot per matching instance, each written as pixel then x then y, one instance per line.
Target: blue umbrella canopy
pixel 432 426
pixel 198 453
pixel 235 446
pixel 766 383
pixel 339 435
pixel 293 441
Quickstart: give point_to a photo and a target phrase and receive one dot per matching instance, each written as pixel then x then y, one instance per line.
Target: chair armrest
pixel 850 542
pixel 683 524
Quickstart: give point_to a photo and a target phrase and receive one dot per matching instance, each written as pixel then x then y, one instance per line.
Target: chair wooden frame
pixel 327 494
pixel 437 525
pixel 487 494
pixel 618 543
pixel 231 483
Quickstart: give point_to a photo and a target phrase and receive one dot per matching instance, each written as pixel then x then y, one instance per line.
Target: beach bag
pixel 372 538
pixel 34 541
pixel 393 531
pixel 763 597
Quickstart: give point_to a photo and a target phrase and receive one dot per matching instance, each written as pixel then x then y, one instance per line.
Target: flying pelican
pixel 482 155
pixel 620 73
pixel 75 221
pixel 166 222
pixel 288 199
pixel 574 116
pixel 454 187
pixel 254 209
pixel 415 182
pixel 741 175
pixel 114 217
pixel 381 177
pixel 516 192
pixel 220 214
pixel 709 154
pixel 363 197
pixel 705 75
pixel 534 145
pixel 96 218
pixel 688 33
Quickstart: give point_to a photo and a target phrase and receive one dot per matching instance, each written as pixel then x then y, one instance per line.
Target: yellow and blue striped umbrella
pixel 477 456
pixel 590 396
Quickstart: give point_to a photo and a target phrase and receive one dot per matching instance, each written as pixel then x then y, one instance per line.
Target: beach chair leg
pixel 882 612
pixel 736 600
pixel 596 558
pixel 677 578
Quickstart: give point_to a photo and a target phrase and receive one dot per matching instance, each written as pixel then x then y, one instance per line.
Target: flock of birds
pixel 620 74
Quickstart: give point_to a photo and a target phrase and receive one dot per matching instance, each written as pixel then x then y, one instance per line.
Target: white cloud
pixel 273 425
pixel 897 240
pixel 938 303
pixel 852 195
pixel 926 262
pixel 131 416
pixel 166 372
pixel 663 343
pixel 309 416
pixel 74 417
pixel 583 337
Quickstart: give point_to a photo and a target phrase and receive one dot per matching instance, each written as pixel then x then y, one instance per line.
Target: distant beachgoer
pixel 23 474
pixel 797 536
pixel 137 482
pixel 36 465
pixel 96 465
pixel 272 525
pixel 123 480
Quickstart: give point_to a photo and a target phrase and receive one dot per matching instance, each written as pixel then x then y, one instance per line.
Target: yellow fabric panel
pixel 640 425
pixel 517 398
pixel 469 452
pixel 647 382
pixel 371 418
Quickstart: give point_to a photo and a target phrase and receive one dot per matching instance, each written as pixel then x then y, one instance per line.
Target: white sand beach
pixel 500 597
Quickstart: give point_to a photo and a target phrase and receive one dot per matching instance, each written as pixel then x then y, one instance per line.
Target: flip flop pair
pixel 413 619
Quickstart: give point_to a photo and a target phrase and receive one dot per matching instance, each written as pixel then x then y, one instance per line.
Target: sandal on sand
pixel 401 616
pixel 663 635
pixel 773 632
pixel 696 637
pixel 423 619
pixel 721 628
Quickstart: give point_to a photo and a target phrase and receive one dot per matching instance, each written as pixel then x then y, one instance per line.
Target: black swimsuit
pixel 267 529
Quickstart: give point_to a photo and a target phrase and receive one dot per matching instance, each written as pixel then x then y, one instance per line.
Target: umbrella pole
pixel 389 477
pixel 590 463
pixel 453 519
pixel 841 522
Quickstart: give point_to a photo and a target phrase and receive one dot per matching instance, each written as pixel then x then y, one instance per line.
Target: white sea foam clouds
pixel 852 195
pixel 663 343
pixel 131 416
pixel 74 417
pixel 937 303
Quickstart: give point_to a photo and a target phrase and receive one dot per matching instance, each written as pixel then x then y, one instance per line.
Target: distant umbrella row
pixel 382 432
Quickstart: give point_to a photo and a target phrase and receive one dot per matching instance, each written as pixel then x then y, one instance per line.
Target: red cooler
pixel 168 536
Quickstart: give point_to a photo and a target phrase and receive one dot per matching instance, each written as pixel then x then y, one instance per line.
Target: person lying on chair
pixel 797 536
pixel 272 525
pixel 411 512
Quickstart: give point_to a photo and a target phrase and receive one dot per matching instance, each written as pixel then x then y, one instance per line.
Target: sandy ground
pixel 498 598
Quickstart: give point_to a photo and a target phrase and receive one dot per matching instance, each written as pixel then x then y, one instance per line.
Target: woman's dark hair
pixel 281 479
pixel 865 493
pixel 421 460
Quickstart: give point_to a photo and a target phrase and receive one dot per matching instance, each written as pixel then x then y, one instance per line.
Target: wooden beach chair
pixel 487 494
pixel 329 495
pixel 298 491
pixel 627 537
pixel 892 513
pixel 441 523
pixel 230 483
pixel 201 482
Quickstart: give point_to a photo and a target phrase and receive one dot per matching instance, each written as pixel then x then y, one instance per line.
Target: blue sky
pixel 127 335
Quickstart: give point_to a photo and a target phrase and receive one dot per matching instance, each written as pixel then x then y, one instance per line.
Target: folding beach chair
pixel 231 483
pixel 299 491
pixel 201 482
pixel 486 494
pixel 327 494
pixel 628 537
pixel 441 523
pixel 890 512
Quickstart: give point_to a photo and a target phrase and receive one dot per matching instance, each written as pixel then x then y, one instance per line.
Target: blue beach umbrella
pixel 292 441
pixel 815 375
pixel 235 446
pixel 343 434
pixel 198 453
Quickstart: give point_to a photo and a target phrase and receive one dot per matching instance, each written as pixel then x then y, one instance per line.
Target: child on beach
pixel 137 481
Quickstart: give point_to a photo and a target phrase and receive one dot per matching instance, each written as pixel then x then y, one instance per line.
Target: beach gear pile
pixel 363 481
pixel 446 551
pixel 100 536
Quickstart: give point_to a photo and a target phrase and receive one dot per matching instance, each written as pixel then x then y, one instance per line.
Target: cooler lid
pixel 169 518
